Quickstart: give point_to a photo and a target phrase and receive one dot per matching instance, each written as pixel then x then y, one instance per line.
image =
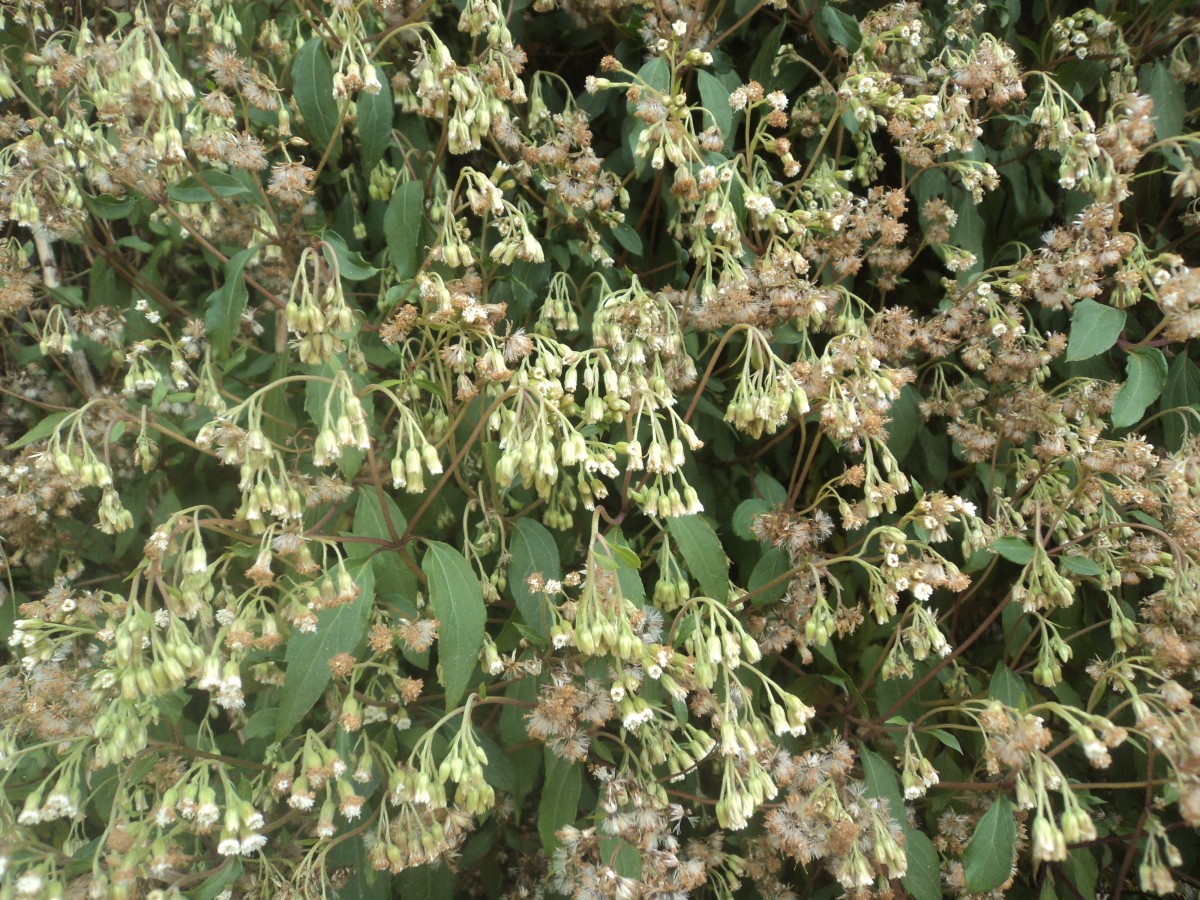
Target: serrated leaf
pixel 987 861
pixel 402 227
pixel 923 880
pixel 1094 329
pixel 226 304
pixel 1081 565
pixel 702 551
pixel 456 597
pixel 205 187
pixel 1014 549
pixel 339 630
pixel 715 97
pixel 533 550
pixel 1182 392
pixel 43 429
pixel 374 115
pixel 1145 375
pixel 560 797
pixel 312 86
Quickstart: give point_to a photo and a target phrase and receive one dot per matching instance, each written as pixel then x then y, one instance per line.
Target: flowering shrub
pixel 598 449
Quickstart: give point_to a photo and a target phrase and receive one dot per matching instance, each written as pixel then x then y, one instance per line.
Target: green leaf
pixel 1082 871
pixel 1007 687
pixel 771 567
pixel 904 422
pixel 628 238
pixel 1182 391
pixel 43 429
pixel 1145 375
pixel 715 97
pixel 215 884
pixel 402 227
pixel 923 880
pixel 1169 103
pixel 432 881
pixel 351 265
pixel 1081 565
pixel 987 862
pixel 744 516
pixel 655 74
pixel 375 112
pixel 560 797
pixel 968 233
pixel 882 781
pixel 456 597
pixel 839 27
pixel 227 303
pixel 1014 549
pixel 947 738
pixel 312 86
pixel 763 68
pixel 533 550
pixel 371 521
pixel 339 630
pixel 205 187
pixel 770 489
pixel 703 554
pixel 1094 329
pixel 106 206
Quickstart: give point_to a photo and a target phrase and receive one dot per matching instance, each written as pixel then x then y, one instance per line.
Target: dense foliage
pixel 599 448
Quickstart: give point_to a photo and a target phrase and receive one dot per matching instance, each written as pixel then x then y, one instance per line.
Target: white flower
pixel 759 204
pixel 229 847
pixel 679 27
pixel 252 844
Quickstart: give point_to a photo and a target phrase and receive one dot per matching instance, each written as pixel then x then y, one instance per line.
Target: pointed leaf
pixel 715 97
pixel 1094 329
pixel 703 554
pixel 987 861
pixel 205 187
pixel 1182 392
pixel 227 303
pixel 923 880
pixel 312 85
pixel 456 597
pixel 560 797
pixel 339 630
pixel 882 781
pixel 402 228
pixel 43 429
pixel 533 550
pixel 1170 107
pixel 1145 375
pixel 375 112
pixel 1014 549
